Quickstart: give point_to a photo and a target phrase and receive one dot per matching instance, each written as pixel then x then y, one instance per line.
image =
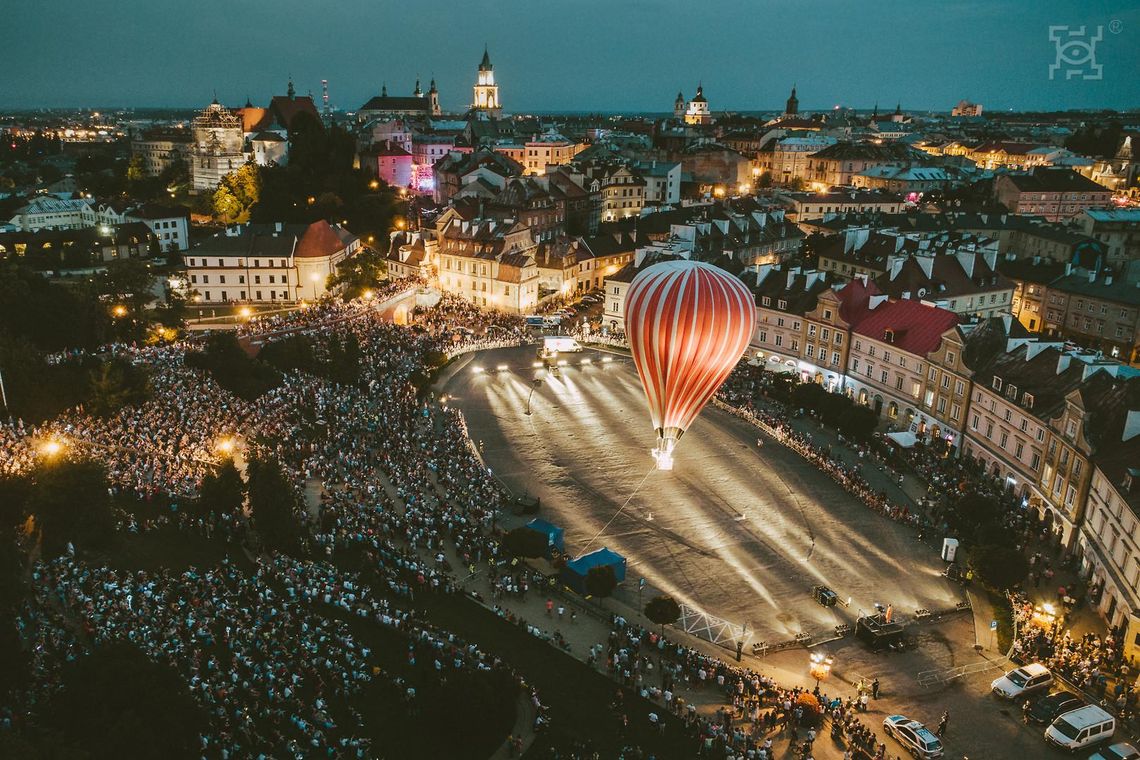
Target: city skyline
pixel 839 55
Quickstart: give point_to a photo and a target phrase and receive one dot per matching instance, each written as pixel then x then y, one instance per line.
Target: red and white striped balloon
pixel 688 323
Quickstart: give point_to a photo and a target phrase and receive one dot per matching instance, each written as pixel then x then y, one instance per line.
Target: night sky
pixel 604 55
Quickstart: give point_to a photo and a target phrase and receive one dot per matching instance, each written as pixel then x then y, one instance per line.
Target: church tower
pixel 418 93
pixel 433 99
pixel 792 108
pixel 679 106
pixel 486 91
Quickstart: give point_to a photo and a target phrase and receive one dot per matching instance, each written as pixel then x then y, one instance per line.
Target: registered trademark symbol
pixel 1116 26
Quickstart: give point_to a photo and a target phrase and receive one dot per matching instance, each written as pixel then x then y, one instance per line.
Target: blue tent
pixel 553 534
pixel 574 574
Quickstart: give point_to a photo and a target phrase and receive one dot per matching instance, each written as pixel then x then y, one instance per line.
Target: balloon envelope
pixel 688 323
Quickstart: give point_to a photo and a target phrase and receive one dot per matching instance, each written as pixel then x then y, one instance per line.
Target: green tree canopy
pixel 116 703
pixel 525 542
pixel 71 502
pixel 662 610
pixel 273 503
pixel 237 194
pixel 600 580
pixel 222 491
pixel 999 566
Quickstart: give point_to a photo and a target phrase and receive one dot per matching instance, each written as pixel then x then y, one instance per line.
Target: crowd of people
pixel 401 489
pixel 399 479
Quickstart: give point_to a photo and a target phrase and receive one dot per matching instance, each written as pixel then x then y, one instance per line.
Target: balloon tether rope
pixel 623 506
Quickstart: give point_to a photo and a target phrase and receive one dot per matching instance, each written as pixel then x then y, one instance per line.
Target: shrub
pixel 600 581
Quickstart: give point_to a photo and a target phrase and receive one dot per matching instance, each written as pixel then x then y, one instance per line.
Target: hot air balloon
pixel 688 323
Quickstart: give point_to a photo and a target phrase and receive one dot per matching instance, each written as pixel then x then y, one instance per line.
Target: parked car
pixel 1081 728
pixel 917 738
pixel 1047 709
pixel 1023 682
pixel 1121 751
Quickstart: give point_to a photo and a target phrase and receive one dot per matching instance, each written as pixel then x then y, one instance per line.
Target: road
pixel 738 531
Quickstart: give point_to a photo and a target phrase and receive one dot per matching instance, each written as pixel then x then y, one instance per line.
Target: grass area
pixel 170 548
pixel 1003 613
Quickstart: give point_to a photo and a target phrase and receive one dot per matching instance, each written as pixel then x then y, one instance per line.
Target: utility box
pixel 949 549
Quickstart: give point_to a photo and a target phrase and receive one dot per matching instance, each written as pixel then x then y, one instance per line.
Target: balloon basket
pixel 663 455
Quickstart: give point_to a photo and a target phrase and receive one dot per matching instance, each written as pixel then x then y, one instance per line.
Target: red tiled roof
pixel 319 240
pixel 917 328
pixel 854 298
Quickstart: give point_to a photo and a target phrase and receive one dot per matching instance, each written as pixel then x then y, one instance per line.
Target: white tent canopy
pixel 904 439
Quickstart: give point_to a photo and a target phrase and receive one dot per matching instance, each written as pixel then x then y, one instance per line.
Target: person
pixel 942 724
pixel 549 607
pixel 1025 712
pixel 875 688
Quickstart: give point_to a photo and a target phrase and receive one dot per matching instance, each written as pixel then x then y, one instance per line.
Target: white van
pixel 1081 728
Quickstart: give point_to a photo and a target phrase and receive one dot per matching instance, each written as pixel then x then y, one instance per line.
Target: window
pixel 827 314
pixel 950 358
pixel 766 301
pixel 811 331
pixel 1019 449
pixel 887 357
pixel 1035 462
pixel 835 358
pixel 825 334
pixel 989 430
pixel 206 281
pixel 899 382
pixel 838 338
pixel 955 411
pixel 854 365
pixel 941 405
pixel 779 340
pixel 959 388
pixel 781 304
pixel 1004 439
pixel 997 383
pixel 883 376
pixel 810 351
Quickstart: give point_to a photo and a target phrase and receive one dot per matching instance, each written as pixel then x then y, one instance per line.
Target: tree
pixel 71 502
pixel 222 491
pixel 662 610
pixel 526 542
pixel 232 368
pixel 858 422
pixel 136 169
pixel 128 282
pixel 237 194
pixel 51 316
pixel 116 383
pixel 273 503
pixel 998 566
pixel 116 703
pixel 600 580
pixel 356 274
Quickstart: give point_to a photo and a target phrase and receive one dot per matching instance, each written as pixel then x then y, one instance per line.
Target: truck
pixel 559 344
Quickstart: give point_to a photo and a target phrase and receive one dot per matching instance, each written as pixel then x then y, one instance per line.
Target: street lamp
pixel 534 385
pixel 820 667
pixel 51 447
pixel 119 310
pixel 314 278
pixel 245 312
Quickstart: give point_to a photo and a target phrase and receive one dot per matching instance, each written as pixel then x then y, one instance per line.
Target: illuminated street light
pixel 51 447
pixel 477 369
pixel 119 311
pixel 245 312
pixel 369 295
pixel 820 667
pixel 314 278
pixel 225 446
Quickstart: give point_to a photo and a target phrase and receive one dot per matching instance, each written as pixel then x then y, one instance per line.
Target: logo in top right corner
pixel 1076 51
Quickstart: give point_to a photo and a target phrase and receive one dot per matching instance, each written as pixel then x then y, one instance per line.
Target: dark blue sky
pixel 609 55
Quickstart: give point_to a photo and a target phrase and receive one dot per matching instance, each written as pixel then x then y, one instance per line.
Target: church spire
pixel 418 93
pixel 432 88
pixel 291 92
pixel 792 107
pixel 485 64
pixel 384 90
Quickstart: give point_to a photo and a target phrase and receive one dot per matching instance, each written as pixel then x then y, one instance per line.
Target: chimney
pixel 1131 426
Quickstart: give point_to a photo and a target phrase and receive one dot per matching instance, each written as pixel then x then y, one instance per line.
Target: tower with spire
pixel 486 91
pixel 696 111
pixel 433 99
pixel 792 107
pixel 419 93
pixel 679 106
